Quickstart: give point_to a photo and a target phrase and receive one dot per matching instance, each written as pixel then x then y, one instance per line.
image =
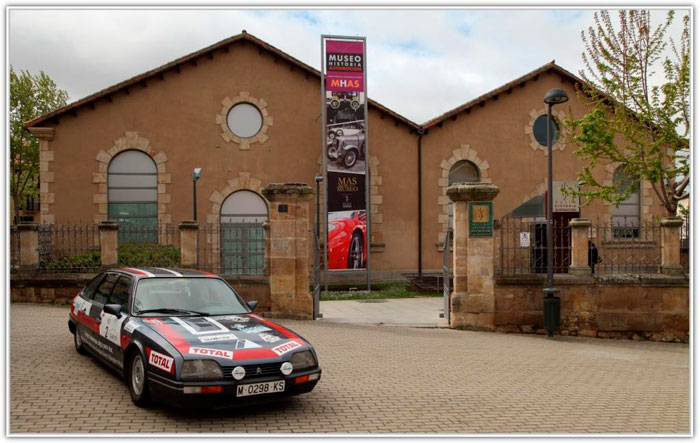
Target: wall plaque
pixel 480 219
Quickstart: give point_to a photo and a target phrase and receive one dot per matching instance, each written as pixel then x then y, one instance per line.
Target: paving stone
pixel 376 380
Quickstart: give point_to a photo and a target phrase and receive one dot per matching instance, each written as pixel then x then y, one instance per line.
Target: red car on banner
pixel 347 240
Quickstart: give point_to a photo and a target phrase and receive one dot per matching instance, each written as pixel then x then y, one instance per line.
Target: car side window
pixel 103 291
pixel 120 293
pixel 89 291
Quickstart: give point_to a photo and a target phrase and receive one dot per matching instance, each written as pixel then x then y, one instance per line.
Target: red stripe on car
pixel 249 354
pixel 125 340
pixel 136 271
pixel 170 334
pixel 88 321
pixel 278 328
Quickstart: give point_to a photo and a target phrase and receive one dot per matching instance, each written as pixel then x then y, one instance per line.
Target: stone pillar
pixel 46 173
pixel 579 246
pixel 289 249
pixel 28 245
pixel 472 300
pixel 266 228
pixel 671 245
pixel 109 243
pixel 188 244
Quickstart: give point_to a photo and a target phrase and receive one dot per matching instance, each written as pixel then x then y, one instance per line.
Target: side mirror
pixel 252 304
pixel 115 310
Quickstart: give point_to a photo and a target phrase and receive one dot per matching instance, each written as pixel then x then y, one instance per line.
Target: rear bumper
pixel 171 392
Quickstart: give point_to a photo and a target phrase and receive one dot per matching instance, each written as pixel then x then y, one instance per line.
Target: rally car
pixel 186 338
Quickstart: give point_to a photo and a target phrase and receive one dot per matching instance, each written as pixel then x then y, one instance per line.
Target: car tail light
pixel 203 389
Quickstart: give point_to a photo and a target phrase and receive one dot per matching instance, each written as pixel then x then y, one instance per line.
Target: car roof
pixel 163 272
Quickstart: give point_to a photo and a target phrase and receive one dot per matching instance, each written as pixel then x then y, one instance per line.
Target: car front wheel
pixel 350 158
pixel 355 254
pixel 138 383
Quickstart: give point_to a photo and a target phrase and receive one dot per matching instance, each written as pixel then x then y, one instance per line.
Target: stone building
pixel 128 152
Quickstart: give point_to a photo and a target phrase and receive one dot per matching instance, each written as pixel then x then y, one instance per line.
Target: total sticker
pixel 212 352
pixel 286 347
pixel 161 361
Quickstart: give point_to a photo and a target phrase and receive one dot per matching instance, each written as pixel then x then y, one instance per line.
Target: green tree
pixel 637 82
pixel 30 97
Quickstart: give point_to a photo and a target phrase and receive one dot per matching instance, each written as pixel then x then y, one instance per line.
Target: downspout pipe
pixel 421 131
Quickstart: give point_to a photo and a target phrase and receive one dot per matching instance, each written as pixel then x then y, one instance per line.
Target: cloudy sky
pixel 421 63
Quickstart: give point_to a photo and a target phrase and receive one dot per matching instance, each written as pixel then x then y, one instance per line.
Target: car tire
pixel 78 342
pixel 350 158
pixel 355 252
pixel 137 380
pixel 339 132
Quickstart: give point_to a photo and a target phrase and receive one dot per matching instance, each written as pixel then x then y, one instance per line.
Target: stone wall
pixel 638 307
pixel 31 287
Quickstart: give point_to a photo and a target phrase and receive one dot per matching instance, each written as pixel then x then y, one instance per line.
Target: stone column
pixel 289 249
pixel 109 243
pixel 579 246
pixel 671 245
pixel 46 173
pixel 266 228
pixel 472 300
pixel 28 245
pixel 188 244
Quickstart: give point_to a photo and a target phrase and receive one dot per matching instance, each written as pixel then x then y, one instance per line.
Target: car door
pixel 97 302
pixel 111 325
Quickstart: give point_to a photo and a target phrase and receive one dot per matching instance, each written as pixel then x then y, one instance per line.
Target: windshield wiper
pixel 172 311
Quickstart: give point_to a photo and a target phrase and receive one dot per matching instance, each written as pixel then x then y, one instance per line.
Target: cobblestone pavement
pixel 376 380
pixel 417 311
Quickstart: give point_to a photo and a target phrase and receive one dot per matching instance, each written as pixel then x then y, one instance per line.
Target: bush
pixel 87 262
pixel 130 254
pixel 148 254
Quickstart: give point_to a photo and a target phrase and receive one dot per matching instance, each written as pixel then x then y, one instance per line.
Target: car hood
pixel 227 338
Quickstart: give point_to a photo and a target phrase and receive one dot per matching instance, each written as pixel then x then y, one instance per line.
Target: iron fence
pixel 232 248
pixel 522 246
pixel 633 247
pixel 71 247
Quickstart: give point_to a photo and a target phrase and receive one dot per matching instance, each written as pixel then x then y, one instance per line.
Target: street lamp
pixel 551 303
pixel 195 176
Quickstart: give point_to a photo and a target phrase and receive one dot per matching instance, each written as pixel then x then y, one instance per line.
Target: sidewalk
pixel 419 311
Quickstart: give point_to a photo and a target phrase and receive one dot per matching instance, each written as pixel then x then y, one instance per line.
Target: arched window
pixel 132 184
pixel 242 235
pixel 463 171
pixel 625 217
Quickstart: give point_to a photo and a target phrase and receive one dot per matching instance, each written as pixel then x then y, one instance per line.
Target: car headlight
pixel 201 370
pixel 303 360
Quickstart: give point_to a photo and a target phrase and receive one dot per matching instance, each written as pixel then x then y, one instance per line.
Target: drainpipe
pixel 420 202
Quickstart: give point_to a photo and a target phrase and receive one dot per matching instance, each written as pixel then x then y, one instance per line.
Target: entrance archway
pixel 242 236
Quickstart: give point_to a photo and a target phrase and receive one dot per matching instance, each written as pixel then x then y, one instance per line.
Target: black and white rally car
pixel 186 338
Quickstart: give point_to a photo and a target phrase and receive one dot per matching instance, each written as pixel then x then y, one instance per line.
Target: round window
pixel 244 120
pixel 539 129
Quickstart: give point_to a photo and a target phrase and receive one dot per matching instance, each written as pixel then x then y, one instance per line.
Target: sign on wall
pixel 564 202
pixel 345 155
pixel 480 219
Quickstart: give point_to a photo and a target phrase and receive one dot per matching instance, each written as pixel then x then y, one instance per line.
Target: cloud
pixel 421 63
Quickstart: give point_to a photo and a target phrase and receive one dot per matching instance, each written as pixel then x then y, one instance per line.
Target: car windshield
pixel 186 296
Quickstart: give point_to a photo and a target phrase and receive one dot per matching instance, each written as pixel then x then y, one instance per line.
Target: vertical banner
pixel 345 155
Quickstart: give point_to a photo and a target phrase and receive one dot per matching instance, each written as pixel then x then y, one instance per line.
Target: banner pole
pixel 368 203
pixel 324 148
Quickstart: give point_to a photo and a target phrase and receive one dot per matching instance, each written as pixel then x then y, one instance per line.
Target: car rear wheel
pixel 350 158
pixel 137 380
pixel 355 252
pixel 78 342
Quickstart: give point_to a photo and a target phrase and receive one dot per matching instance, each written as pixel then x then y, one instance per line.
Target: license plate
pixel 269 387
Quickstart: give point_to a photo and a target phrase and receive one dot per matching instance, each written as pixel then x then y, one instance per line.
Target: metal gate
pixel 446 275
pixel 242 248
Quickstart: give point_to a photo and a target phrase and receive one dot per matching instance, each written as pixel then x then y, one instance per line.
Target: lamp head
pixel 318 178
pixel 196 174
pixel 555 96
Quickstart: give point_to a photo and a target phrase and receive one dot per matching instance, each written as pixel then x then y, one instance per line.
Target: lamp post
pixel 319 179
pixel 551 304
pixel 195 176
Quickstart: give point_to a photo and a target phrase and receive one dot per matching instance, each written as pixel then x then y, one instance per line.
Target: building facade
pixel 248 115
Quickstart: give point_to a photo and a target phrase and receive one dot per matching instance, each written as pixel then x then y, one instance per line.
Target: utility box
pixel 552 313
